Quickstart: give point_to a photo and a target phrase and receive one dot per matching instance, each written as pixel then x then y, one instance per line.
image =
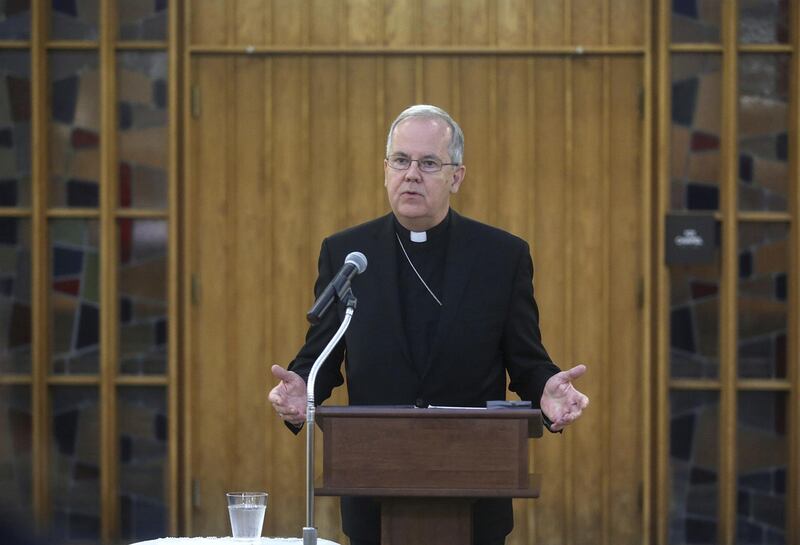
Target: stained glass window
pixel 140 20
pixel 143 422
pixel 15 20
pixel 15 128
pixel 764 132
pixel 762 455
pixel 694 321
pixel 695 21
pixel 74 19
pixel 15 296
pixel 143 118
pixel 763 21
pixel 694 467
pixel 16 438
pixel 75 463
pixel 695 134
pixel 143 297
pixel 762 299
pixel 75 300
pixel 74 129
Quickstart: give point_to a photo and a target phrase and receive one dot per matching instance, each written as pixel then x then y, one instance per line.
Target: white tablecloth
pixel 230 541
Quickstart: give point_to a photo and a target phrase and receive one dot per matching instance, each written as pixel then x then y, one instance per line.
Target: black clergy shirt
pixel 420 311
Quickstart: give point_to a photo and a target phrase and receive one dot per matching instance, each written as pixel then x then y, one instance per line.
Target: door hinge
pixel 640 293
pixel 195 290
pixel 640 102
pixel 195 493
pixel 196 101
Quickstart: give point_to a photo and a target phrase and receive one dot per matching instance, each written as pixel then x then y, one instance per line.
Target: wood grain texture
pixel 289 148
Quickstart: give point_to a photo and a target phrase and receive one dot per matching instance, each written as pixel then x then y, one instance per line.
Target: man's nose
pixel 413 173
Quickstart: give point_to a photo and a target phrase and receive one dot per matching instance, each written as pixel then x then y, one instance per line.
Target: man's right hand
pixel 288 398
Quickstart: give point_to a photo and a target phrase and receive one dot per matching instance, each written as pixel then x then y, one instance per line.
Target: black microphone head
pixel 358 260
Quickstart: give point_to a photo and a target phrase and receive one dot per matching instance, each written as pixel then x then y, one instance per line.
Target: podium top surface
pixel 392 411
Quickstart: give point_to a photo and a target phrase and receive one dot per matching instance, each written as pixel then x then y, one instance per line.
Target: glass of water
pixel 246 510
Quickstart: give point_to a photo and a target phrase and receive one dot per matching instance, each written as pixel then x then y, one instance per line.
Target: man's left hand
pixel 561 402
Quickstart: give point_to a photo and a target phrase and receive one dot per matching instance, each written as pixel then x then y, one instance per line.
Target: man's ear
pixel 458 177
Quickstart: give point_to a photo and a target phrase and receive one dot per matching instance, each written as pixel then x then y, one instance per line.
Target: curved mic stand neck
pixel 309 531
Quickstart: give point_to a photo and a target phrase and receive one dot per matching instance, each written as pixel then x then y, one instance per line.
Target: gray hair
pixel 456 147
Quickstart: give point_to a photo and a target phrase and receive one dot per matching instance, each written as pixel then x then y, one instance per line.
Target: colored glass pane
pixel 694 467
pixel 695 21
pixel 16 439
pixel 15 20
pixel 15 128
pixel 75 318
pixel 695 133
pixel 763 21
pixel 143 470
pixel 74 129
pixel 75 463
pixel 143 20
pixel 74 19
pixel 762 456
pixel 762 299
pixel 143 296
pixel 15 296
pixel 764 132
pixel 143 119
pixel 694 321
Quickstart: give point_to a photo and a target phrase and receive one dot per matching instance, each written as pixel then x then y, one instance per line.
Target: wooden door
pixel 285 145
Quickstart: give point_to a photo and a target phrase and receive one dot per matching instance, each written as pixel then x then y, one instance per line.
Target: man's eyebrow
pixel 428 156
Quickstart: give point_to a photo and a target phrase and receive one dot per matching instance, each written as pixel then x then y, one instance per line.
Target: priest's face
pixel 421 199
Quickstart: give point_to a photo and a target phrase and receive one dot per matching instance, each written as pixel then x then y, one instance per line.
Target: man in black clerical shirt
pixel 446 312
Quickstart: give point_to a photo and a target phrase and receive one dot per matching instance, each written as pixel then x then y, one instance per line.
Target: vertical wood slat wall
pixel 107 213
pixel 285 147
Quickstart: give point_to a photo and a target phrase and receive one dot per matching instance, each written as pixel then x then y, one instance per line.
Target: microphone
pixel 355 263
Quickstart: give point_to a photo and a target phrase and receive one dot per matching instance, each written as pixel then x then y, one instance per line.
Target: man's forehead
pixel 421 131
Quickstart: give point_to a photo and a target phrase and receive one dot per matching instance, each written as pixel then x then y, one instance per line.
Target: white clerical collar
pixel 418 236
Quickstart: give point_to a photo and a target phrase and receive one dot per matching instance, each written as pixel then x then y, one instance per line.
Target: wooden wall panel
pixel 474 22
pixel 288 19
pixel 438 23
pixel 416 22
pixel 512 147
pixel 290 297
pixel 475 114
pixel 364 22
pixel 245 285
pixel 549 22
pixel 212 464
pixel 626 22
pixel 364 150
pixel 399 89
pixel 586 26
pixel 324 17
pixel 625 323
pixel 588 280
pixel 400 26
pixel 513 20
pixel 435 82
pixel 250 21
pixel 288 148
pixel 548 245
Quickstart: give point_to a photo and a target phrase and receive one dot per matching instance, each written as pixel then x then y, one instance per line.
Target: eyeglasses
pixel 429 164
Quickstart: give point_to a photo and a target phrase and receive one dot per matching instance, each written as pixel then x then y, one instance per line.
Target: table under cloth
pixel 230 541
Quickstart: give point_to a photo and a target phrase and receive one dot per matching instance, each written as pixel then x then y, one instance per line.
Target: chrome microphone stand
pixel 309 531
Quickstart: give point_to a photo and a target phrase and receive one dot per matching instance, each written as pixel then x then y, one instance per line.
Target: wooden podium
pixel 427 466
